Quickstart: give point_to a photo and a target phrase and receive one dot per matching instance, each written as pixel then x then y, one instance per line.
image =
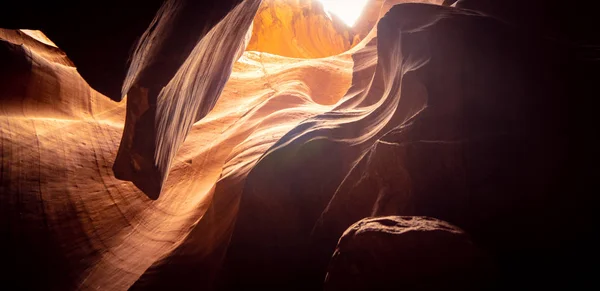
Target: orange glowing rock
pixel 299 29
pixel 115 231
pixel 240 163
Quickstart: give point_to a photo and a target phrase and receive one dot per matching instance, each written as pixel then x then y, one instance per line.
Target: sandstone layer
pixel 237 158
pixel 299 29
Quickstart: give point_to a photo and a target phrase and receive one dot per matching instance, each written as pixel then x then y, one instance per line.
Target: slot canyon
pixel 287 145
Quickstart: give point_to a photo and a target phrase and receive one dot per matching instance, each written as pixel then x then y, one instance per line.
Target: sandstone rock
pixel 72 225
pixel 443 128
pixel 299 29
pixel 164 106
pixel 406 253
pixel 98 37
pixel 443 112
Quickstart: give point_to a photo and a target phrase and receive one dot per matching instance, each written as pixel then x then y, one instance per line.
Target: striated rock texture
pixel 74 225
pixel 161 114
pixel 230 168
pixel 407 253
pixel 470 134
pixel 299 29
pixel 58 138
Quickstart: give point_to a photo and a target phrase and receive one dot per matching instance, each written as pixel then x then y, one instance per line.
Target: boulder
pixel 406 253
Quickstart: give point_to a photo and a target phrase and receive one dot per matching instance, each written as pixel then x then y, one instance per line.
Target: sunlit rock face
pixel 115 232
pixel 299 29
pixel 161 114
pixel 247 146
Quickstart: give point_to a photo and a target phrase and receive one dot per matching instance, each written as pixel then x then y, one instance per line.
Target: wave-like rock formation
pixel 160 117
pixel 247 142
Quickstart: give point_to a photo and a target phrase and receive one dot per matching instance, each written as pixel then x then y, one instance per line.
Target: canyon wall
pixel 245 146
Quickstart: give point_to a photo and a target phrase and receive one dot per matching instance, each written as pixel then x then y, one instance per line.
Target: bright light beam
pixel 347 10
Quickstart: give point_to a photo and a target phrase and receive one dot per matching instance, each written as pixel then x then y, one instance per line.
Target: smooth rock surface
pixel 406 253
pixel 299 29
pixel 459 113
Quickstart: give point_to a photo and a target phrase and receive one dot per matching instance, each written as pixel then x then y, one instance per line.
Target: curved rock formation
pixel 98 36
pixel 407 253
pixel 475 116
pixel 299 29
pixel 161 114
pixel 302 29
pixel 241 168
pixel 116 232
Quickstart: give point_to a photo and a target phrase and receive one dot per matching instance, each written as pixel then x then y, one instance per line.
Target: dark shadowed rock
pixel 406 253
pixel 462 132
